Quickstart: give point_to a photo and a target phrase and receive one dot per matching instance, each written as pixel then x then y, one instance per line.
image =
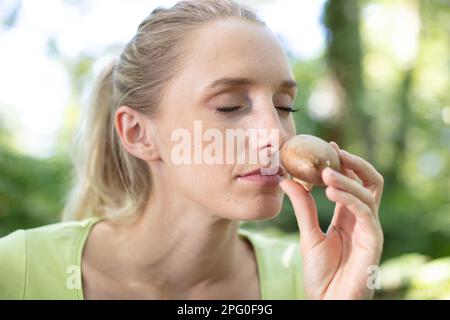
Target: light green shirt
pixel 45 263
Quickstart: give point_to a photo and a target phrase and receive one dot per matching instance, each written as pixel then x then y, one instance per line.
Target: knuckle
pixel 369 197
pixel 333 179
pixel 367 210
pixel 380 179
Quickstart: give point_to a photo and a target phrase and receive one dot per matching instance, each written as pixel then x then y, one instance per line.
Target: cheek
pixel 289 127
pixel 208 186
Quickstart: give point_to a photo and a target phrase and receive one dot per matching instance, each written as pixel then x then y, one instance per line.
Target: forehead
pixel 235 49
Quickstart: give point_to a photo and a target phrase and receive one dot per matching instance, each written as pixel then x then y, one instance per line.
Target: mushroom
pixel 305 156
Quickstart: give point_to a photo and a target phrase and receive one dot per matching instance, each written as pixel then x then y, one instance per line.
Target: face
pixel 259 101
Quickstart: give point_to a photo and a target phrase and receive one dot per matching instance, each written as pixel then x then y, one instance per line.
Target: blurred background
pixel 374 76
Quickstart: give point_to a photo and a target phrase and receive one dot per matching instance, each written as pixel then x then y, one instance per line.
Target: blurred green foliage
pixel 415 276
pixel 32 190
pixel 388 102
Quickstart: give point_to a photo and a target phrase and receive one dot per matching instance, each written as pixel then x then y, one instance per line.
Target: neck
pixel 175 244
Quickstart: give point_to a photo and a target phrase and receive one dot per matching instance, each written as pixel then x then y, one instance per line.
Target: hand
pixel 337 265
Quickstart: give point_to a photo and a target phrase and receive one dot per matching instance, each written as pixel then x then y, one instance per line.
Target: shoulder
pixel 279 264
pixel 34 263
pixel 57 235
pixel 12 265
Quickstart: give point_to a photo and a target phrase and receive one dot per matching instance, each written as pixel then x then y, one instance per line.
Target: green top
pixel 45 263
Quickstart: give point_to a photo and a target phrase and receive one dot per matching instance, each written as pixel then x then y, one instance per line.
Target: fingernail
pixel 335 143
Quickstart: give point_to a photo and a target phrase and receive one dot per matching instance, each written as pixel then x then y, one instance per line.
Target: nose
pixel 271 132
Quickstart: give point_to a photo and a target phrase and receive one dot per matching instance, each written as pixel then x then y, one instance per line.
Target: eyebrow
pixel 236 82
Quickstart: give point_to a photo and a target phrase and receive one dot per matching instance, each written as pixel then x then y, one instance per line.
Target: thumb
pixel 305 212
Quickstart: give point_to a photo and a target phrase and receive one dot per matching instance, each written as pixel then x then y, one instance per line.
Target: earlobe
pixel 149 152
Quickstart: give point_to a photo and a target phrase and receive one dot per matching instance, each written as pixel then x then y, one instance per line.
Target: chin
pixel 260 208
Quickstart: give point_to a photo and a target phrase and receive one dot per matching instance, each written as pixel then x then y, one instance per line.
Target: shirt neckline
pixel 243 233
pixel 79 254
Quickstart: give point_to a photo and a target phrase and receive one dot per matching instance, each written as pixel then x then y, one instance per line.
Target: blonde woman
pixel 144 227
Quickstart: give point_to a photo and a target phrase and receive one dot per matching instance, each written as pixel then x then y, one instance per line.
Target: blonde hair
pixel 109 181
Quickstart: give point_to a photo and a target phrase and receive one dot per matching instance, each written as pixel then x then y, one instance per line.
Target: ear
pixel 135 134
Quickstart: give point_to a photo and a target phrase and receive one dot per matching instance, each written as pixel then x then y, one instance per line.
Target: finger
pixel 352 175
pixel 344 183
pixel 340 217
pixel 335 146
pixel 343 218
pixel 348 172
pixel 305 211
pixel 369 176
pixel 352 203
pixel 361 167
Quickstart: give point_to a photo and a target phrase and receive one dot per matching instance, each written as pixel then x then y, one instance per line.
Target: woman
pixel 147 227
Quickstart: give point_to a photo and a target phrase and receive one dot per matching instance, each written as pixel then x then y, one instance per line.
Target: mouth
pixel 265 176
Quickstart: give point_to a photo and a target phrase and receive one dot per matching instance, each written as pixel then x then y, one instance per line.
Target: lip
pixel 277 171
pixel 259 179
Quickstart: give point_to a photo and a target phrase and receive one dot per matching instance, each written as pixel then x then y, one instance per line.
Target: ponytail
pixel 103 185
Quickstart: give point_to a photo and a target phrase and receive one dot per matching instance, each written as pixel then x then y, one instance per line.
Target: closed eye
pixel 286 109
pixel 228 109
pixel 235 108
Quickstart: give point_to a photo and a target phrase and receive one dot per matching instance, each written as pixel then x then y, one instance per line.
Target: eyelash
pixel 235 108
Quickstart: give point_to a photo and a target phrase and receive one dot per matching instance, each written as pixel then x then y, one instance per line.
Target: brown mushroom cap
pixel 305 156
